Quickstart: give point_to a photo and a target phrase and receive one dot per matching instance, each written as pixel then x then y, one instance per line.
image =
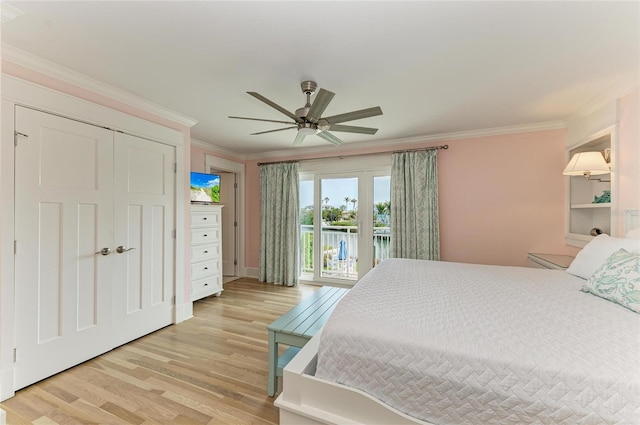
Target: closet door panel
pixel 64 215
pixel 144 217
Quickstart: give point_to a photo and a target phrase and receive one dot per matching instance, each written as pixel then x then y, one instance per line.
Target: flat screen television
pixel 205 188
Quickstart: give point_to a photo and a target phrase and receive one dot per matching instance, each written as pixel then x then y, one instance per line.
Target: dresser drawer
pixel 208 218
pixel 205 287
pixel 205 252
pixel 205 234
pixel 206 268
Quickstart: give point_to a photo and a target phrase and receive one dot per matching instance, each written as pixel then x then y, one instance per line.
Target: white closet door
pixel 144 222
pixel 63 216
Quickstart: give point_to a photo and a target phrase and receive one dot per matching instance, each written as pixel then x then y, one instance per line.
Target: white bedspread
pixel 454 343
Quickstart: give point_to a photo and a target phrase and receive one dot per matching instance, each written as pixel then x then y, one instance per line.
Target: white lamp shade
pixel 586 162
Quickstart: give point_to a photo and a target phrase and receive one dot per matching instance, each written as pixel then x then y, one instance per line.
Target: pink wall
pixel 197 159
pixel 628 156
pixel 500 198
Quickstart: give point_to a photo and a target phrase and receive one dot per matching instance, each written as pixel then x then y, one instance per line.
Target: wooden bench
pixel 296 327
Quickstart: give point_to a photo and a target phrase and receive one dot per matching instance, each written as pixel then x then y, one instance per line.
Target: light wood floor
pixel 211 369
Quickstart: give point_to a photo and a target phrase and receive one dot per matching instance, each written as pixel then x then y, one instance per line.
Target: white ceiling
pixel 433 67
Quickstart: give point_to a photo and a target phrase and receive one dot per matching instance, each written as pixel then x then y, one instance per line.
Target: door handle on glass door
pixel 121 249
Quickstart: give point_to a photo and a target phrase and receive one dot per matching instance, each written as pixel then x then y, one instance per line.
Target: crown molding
pixel 408 141
pixel 218 149
pixel 51 69
pixel 619 89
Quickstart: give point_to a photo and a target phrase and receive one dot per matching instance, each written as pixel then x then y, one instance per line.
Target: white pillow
pixel 633 234
pixel 592 256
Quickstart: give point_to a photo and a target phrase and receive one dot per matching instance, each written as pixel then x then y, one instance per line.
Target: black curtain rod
pixel 430 148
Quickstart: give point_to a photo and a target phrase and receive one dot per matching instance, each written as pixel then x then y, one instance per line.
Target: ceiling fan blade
pixel 319 105
pixel 275 106
pixel 329 137
pixel 355 115
pixel 299 138
pixel 353 129
pixel 271 131
pixel 260 119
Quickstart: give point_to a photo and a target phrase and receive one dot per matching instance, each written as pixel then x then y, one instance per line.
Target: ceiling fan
pixel 308 119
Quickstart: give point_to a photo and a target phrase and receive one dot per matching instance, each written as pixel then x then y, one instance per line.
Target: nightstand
pixel 550 261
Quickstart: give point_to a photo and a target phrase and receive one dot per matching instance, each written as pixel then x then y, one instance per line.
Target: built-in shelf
pixel 602 205
pixel 583 215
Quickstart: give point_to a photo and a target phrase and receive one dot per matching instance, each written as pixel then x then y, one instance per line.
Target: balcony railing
pixel 340 250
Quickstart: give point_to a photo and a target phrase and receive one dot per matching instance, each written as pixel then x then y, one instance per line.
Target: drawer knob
pixel 206 252
pixel 206 268
pixel 205 235
pixel 204 218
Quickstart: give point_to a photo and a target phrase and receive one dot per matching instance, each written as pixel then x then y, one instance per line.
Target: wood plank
pixel 211 369
pixel 321 320
pixel 310 303
pixel 309 325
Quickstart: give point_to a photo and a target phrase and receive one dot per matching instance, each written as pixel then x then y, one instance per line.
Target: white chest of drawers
pixel 206 251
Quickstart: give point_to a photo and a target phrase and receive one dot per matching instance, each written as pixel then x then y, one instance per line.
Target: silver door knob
pixel 121 249
pixel 104 251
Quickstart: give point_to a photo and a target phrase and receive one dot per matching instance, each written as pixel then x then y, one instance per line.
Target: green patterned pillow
pixel 618 280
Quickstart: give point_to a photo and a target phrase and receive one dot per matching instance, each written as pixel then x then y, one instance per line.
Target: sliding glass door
pixel 339 241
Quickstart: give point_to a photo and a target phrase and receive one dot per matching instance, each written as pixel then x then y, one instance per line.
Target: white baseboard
pixel 3 417
pixel 184 311
pixel 252 272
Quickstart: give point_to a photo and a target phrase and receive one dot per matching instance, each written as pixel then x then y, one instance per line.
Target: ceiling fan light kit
pixel 308 120
pixel 307 129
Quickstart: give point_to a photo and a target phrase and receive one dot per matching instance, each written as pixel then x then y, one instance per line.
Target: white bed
pixel 448 343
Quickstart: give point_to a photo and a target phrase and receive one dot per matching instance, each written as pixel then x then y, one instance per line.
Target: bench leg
pixel 272 383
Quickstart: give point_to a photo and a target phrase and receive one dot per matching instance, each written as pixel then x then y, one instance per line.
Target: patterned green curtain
pixel 415 225
pixel 280 223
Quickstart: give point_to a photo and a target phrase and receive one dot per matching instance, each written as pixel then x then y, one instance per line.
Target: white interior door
pixel 64 215
pixel 144 223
